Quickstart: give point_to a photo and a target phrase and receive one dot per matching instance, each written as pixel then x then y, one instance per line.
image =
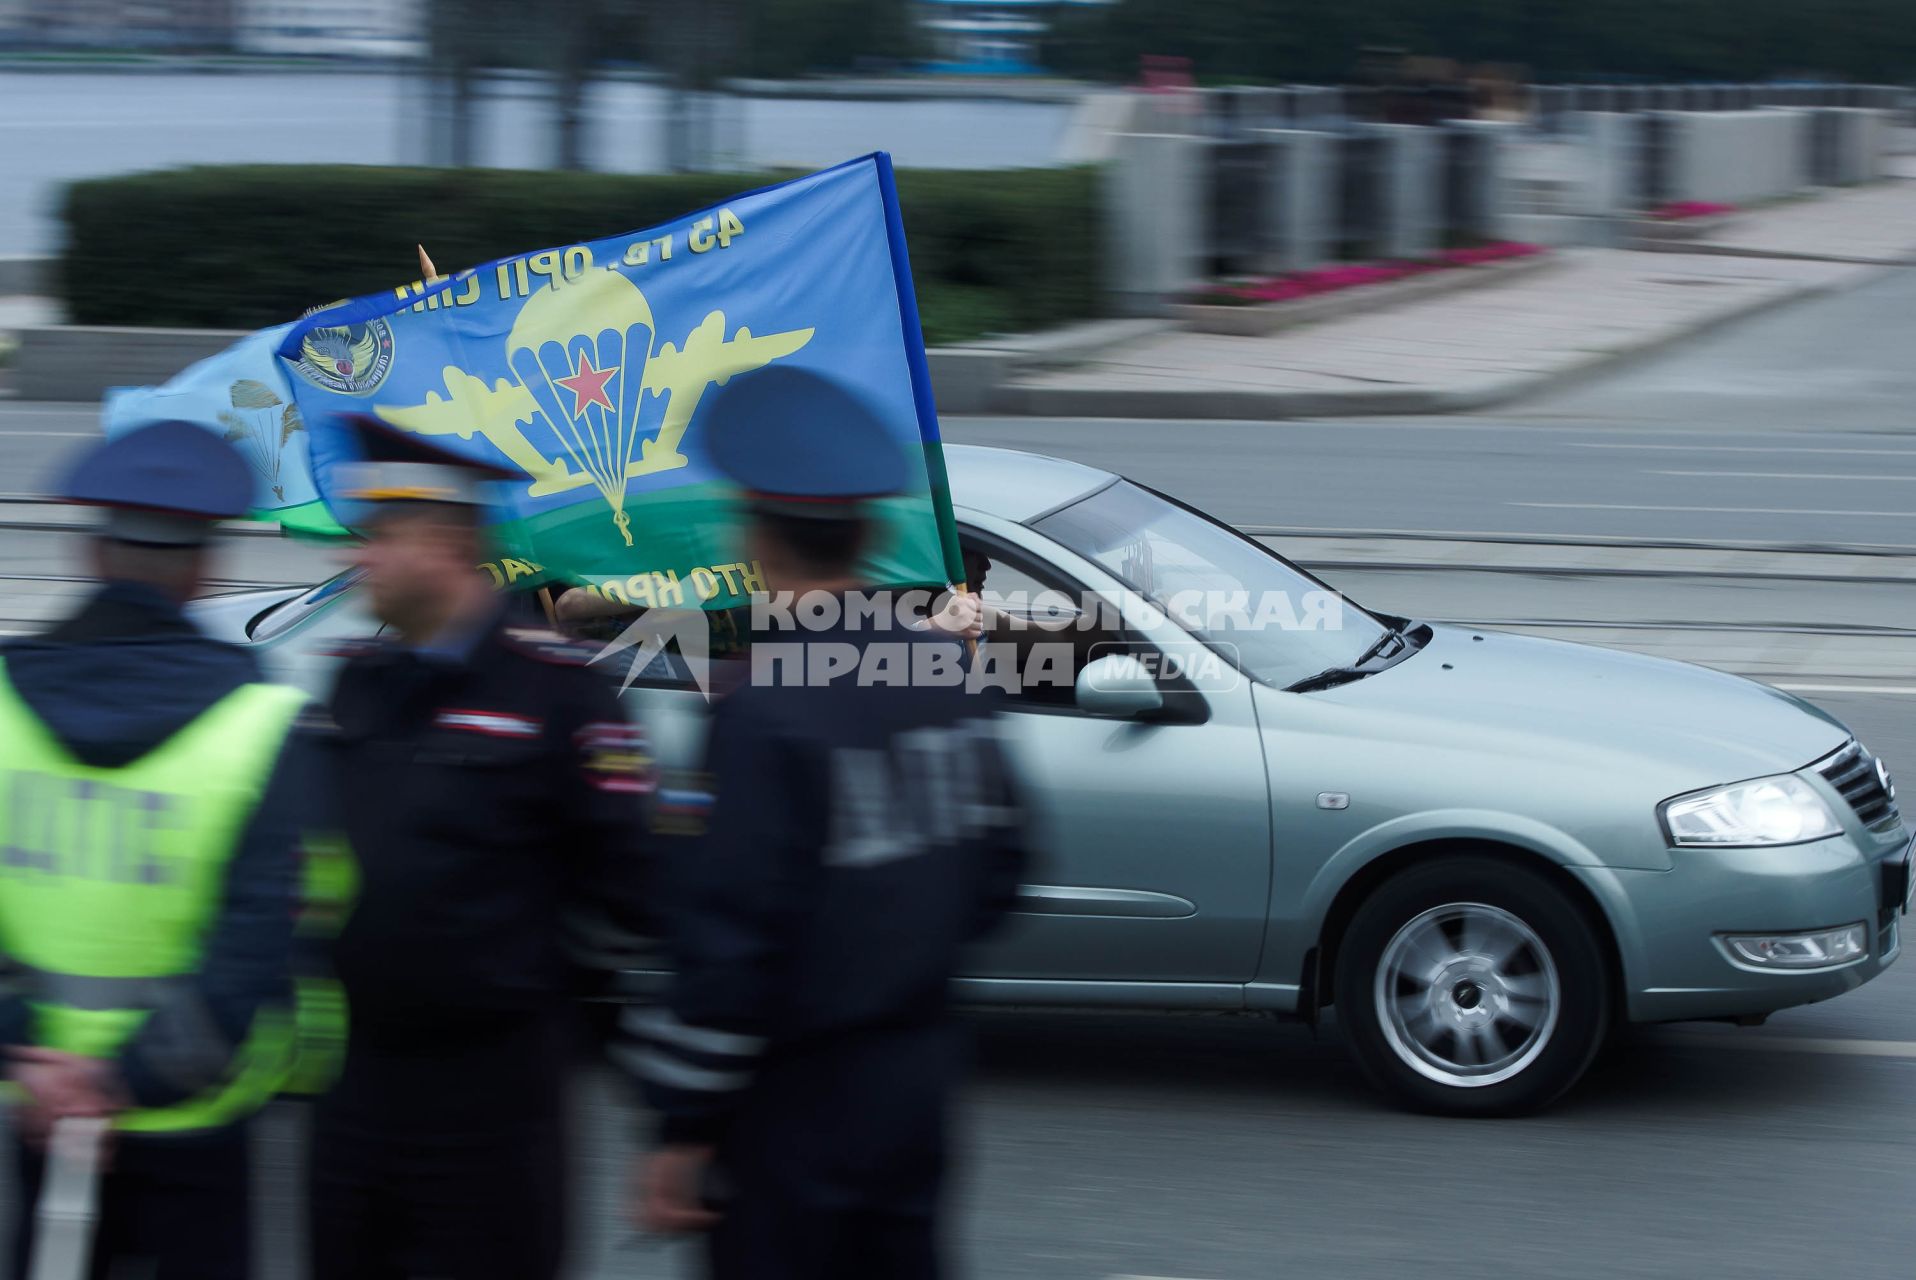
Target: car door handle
pixel 1085 900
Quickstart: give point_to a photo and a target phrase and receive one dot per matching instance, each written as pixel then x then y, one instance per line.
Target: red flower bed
pixel 1309 284
pixel 1689 209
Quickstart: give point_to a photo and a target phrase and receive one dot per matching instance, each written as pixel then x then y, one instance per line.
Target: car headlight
pixel 1765 811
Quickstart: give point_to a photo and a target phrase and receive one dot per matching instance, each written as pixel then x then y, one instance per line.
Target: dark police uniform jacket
pixel 858 838
pixel 491 793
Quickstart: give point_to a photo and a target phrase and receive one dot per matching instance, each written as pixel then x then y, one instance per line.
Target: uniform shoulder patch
pixel 493 724
pixel 683 804
pixel 543 645
pixel 616 757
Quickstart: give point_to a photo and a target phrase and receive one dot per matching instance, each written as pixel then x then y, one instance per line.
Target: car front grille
pixel 1852 771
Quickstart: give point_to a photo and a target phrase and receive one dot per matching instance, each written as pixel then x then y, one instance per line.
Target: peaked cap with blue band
pixel 164 484
pixel 390 465
pixel 799 443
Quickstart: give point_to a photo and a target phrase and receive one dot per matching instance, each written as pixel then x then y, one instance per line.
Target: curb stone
pixel 1741 251
pixel 77 363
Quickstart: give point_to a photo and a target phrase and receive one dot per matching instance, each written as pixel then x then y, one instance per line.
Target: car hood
pixel 1697 726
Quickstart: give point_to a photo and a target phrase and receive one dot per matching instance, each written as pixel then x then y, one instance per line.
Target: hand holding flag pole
pixel 971 641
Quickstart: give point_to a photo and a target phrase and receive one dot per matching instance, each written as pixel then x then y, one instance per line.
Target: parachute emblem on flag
pixel 582 353
pixel 258 432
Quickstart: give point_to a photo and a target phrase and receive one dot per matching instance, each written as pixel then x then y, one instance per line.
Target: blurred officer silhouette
pixel 490 792
pixel 859 837
pixel 147 792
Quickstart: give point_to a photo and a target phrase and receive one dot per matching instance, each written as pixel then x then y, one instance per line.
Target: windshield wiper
pixel 1377 650
pixel 1355 671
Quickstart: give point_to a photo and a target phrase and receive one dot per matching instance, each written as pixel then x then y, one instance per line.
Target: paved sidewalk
pixel 1874 224
pixel 1490 345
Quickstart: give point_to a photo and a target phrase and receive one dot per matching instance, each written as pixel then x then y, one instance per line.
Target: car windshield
pixel 1280 625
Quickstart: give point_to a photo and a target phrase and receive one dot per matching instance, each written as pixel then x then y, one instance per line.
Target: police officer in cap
pixel 860 836
pixel 146 890
pixel 489 789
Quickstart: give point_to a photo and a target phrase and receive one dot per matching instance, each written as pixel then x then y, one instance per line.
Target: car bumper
pixel 1670 926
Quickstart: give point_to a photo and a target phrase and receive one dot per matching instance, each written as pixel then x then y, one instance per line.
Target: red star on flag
pixel 587 385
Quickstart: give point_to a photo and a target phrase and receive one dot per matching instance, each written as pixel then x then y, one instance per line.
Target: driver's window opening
pixel 1035 623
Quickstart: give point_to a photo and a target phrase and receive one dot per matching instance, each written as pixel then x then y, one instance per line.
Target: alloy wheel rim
pixel 1467 994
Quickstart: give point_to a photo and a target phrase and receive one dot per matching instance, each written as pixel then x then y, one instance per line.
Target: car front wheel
pixel 1472 986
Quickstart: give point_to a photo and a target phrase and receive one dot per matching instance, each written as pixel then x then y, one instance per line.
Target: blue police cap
pixel 802 444
pixel 164 484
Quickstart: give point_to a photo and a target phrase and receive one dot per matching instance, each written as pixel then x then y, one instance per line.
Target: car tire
pixel 1472 986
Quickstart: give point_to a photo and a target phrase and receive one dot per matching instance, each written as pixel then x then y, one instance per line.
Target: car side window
pixel 1035 621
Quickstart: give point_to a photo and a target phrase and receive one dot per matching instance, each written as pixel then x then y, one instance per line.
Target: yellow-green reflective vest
pixel 111 878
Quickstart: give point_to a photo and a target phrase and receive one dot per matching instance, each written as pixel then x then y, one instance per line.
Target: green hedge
pixel 247 246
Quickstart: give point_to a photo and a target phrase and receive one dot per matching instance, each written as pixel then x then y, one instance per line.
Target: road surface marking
pixel 1741 448
pixel 1777 475
pixel 1847 688
pixel 1740 511
pixel 1799 1044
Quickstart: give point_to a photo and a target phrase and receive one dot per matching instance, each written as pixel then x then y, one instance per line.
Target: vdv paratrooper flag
pixel 583 368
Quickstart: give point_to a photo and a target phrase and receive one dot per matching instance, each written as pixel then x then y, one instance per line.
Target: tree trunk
pixel 451 52
pixel 572 39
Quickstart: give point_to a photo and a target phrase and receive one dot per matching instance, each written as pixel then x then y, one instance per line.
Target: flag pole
pixel 68 1211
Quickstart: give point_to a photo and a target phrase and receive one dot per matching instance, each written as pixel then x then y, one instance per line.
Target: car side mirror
pixel 1120 686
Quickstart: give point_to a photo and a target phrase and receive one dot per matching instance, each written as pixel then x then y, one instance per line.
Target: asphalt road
pixel 1218 1148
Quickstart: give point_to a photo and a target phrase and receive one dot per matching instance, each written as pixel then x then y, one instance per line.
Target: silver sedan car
pixel 1482 851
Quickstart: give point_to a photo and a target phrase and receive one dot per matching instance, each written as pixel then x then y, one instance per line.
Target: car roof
pixel 1014 485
